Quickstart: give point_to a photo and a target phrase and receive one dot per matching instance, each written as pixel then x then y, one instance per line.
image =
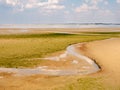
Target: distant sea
pixel 68 25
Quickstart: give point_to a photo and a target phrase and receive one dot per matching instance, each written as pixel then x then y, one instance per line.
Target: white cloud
pixel 54 7
pixel 105 12
pixel 91 11
pixel 118 1
pixel 11 2
pixel 90 5
pixel 100 15
pixel 85 7
pixel 106 2
pixel 95 2
pixel 27 4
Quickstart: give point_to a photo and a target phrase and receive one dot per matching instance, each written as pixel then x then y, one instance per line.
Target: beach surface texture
pixel 107 54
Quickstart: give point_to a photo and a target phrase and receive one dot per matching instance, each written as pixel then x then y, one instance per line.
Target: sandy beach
pixel 55 30
pixel 104 52
pixel 107 54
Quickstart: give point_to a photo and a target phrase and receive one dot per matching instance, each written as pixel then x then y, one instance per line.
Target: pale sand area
pixel 55 30
pixel 107 55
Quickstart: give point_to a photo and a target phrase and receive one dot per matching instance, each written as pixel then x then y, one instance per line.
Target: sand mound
pixel 107 55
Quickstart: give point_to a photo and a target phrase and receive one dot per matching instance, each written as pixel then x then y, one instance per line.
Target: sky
pixel 59 11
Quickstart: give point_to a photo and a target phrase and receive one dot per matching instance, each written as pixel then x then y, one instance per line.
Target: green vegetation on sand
pixel 20 50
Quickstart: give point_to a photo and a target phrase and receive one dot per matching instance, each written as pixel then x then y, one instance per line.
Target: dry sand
pixel 56 30
pixel 107 55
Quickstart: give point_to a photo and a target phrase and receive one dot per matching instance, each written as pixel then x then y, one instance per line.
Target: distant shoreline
pixel 55 30
pixel 66 25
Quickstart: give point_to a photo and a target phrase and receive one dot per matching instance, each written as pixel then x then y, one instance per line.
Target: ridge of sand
pixel 107 54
